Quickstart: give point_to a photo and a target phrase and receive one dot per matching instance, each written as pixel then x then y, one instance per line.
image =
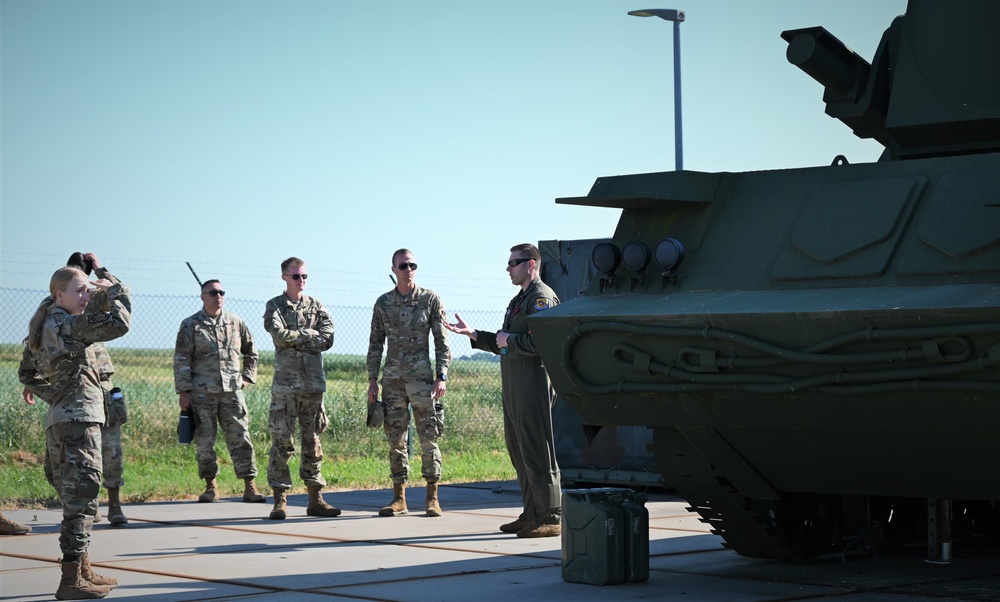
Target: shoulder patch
pixel 541 303
pixel 98 318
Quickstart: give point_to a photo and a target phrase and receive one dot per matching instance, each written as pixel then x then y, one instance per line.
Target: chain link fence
pixel 143 360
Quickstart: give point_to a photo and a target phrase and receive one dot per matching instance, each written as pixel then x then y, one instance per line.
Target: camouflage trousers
pixel 399 398
pixel 113 461
pixel 286 410
pixel 229 411
pixel 111 452
pixel 111 440
pixel 74 458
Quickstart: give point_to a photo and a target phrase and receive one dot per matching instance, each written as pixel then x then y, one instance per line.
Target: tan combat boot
pixel 211 491
pixel 73 586
pixel 115 515
pixel 280 505
pixel 517 525
pixel 251 494
pixel 398 504
pixel 87 572
pixel 9 527
pixel 539 529
pixel 433 506
pixel 317 505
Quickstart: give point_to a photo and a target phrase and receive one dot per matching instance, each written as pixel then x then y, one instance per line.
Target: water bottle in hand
pixel 185 428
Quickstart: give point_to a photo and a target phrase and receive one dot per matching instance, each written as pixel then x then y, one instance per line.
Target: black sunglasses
pixel 215 293
pixel 513 263
pixel 405 265
pixel 298 276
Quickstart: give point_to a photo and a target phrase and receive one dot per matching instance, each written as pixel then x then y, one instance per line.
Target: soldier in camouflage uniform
pixel 528 397
pixel 405 316
pixel 209 380
pixel 111 432
pixel 302 330
pixel 60 338
pixel 117 414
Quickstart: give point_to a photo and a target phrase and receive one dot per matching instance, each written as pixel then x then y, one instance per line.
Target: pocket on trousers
pixel 439 418
pixel 85 482
pixel 322 420
pixel 277 420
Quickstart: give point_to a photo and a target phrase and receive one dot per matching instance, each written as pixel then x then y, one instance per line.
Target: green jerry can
pixel 593 538
pixel 636 536
pixel 605 536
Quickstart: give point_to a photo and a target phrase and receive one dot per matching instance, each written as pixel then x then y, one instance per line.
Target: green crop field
pixel 158 468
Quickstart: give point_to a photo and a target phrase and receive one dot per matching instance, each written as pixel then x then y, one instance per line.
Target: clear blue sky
pixel 233 134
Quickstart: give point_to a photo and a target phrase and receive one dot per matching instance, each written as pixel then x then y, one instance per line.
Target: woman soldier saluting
pixel 60 341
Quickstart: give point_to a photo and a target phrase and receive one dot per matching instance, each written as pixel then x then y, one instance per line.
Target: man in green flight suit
pixel 528 396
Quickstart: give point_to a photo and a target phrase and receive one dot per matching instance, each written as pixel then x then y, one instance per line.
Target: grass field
pixel 157 468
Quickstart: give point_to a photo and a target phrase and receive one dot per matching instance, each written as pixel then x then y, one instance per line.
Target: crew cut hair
pixel 291 262
pixel 399 252
pixel 527 249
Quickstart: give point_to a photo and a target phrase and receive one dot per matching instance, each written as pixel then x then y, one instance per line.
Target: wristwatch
pixel 442 376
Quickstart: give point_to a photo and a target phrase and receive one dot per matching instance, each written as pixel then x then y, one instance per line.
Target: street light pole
pixel 676 16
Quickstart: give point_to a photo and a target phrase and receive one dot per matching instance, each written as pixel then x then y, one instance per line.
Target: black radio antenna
pixel 192 272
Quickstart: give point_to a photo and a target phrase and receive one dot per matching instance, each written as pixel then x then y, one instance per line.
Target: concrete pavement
pixel 231 551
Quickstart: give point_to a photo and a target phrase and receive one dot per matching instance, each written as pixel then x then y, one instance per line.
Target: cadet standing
pixel 528 396
pixel 111 433
pixel 60 338
pixel 405 316
pixel 302 330
pixel 209 379
pixel 113 459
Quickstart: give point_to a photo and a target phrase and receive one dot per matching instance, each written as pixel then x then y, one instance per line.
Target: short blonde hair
pixel 59 282
pixel 291 262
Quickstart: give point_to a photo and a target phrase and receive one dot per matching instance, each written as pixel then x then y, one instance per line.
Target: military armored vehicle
pixel 817 350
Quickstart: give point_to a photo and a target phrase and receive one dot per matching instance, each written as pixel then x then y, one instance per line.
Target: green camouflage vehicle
pixel 817 350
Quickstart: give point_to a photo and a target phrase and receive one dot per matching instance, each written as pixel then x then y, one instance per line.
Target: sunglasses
pixel 298 276
pixel 215 293
pixel 404 266
pixel 513 263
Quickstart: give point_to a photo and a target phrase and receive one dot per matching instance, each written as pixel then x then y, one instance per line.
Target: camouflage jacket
pixel 68 370
pixel 207 354
pixel 115 411
pixel 28 374
pixel 405 323
pixel 301 332
pixel 99 302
